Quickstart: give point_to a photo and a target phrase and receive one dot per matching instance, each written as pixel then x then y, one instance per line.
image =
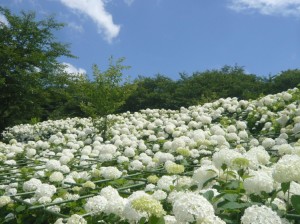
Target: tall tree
pixel 108 91
pixel 29 64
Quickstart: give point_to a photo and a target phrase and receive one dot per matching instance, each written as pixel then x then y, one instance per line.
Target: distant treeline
pixel 35 87
pixel 201 87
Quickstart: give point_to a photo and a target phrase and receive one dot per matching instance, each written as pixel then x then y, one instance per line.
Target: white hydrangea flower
pixel 211 220
pixel 11 191
pixel 129 152
pixel 268 143
pixel 190 207
pixel 287 169
pixel 136 165
pixel 53 165
pixel 159 195
pixel 72 197
pixel 30 152
pixel 184 182
pixel 149 187
pixel 44 200
pixel 130 213
pixel 177 143
pixel 122 159
pixel 45 190
pixel 173 168
pixel 115 203
pixel 169 219
pixel 4 200
pixel 260 214
pixel 148 204
pixel 241 125
pixel 64 159
pixel 31 185
pixel 165 182
pixel 286 96
pixel 162 157
pixel 76 219
pixel 284 149
pixel 257 155
pixel 225 156
pixel 64 169
pixel 203 174
pixel 54 208
pixel 10 162
pixel 110 172
pixel 296 128
pixel 95 204
pixel 56 177
pixel 258 182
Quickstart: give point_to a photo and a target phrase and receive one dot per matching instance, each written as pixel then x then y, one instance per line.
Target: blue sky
pixel 174 36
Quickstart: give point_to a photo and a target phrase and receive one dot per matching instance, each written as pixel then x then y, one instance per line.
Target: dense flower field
pixel 228 161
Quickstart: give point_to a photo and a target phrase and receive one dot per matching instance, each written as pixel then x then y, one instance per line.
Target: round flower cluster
pixel 56 177
pixel 287 169
pixel 258 182
pixel 225 156
pixel 31 185
pixel 165 182
pixel 115 203
pixel 53 165
pixel 149 205
pixel 203 174
pixel 4 200
pixel 173 168
pixel 260 214
pixel 111 172
pixel 45 190
pixel 96 204
pixel 190 207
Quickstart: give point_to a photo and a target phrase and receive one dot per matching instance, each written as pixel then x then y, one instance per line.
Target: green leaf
pixel 234 205
pixel 142 220
pixel 295 200
pixel 209 180
pixel 193 187
pixel 156 220
pixel 231 197
pixel 20 208
pixel 233 184
pixel 224 166
pixel 255 198
pixel 208 195
pixel 285 186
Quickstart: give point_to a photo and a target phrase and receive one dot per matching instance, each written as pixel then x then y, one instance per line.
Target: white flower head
pixel 260 214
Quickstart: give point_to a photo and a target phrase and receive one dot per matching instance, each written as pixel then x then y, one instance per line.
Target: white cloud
pixel 3 20
pixel 71 69
pixel 129 2
pixel 268 7
pixel 75 27
pixel 95 9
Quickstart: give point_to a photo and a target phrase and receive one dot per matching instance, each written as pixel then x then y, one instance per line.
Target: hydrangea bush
pixel 228 161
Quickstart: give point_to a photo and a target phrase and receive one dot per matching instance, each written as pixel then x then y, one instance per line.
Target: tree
pixel 155 92
pixel 285 80
pixel 29 65
pixel 108 91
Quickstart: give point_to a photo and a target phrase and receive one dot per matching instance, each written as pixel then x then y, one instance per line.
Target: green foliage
pixel 285 80
pixel 295 199
pixel 202 87
pixel 156 92
pixel 107 93
pixel 28 66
